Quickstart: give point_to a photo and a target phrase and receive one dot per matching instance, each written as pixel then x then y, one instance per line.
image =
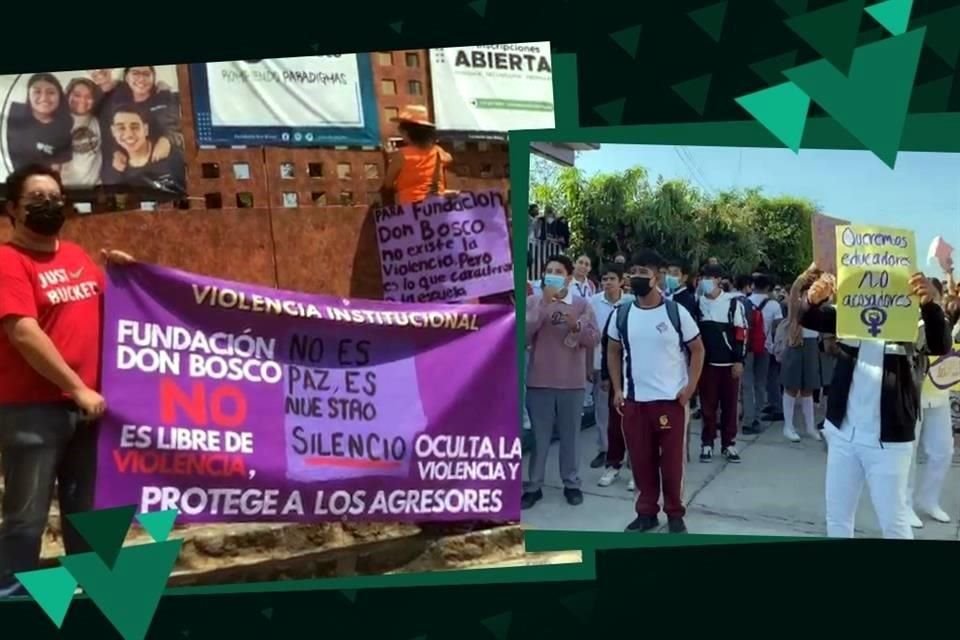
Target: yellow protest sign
pixel 944 374
pixel 874 266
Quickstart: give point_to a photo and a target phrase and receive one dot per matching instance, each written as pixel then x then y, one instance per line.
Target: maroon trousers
pixel 655 433
pixel 616 446
pixel 719 393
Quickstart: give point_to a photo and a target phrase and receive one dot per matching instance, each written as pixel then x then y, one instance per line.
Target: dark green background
pixel 691 584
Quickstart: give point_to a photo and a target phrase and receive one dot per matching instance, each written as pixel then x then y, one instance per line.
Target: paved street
pixel 778 489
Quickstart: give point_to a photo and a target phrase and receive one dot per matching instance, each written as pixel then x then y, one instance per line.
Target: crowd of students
pixel 654 344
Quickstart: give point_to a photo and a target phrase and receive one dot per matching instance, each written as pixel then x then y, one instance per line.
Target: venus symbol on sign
pixel 874 318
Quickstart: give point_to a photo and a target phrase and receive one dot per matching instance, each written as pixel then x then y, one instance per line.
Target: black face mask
pixel 45 218
pixel 640 286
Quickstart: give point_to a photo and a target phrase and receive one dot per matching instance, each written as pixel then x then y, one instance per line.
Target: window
pixel 213 201
pixel 388 87
pixel 315 169
pixel 462 170
pixel 184 204
pixel 385 58
pixel 343 170
pixel 413 60
pixel 147 205
pixel 83 207
pixel 371 171
pixel 210 170
pixel 290 200
pixel 459 145
pixel 245 200
pixel 241 171
pixel 391 112
pixel 287 171
pixel 346 198
pixel 415 88
pixel 506 170
pixel 373 197
pixel 319 198
pixel 483 145
pixel 486 171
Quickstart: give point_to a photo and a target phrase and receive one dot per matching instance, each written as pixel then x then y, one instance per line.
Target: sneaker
pixel 731 454
pixel 644 523
pixel 776 416
pixel 609 477
pixel 676 525
pixel 599 461
pixel 530 498
pixel 791 434
pixel 937 514
pixel 574 496
pixel 706 453
pixel 632 485
pixel 752 429
pixel 915 520
pixel 768 410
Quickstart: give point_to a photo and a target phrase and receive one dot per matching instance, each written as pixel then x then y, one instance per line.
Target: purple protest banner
pixel 445 249
pixel 234 402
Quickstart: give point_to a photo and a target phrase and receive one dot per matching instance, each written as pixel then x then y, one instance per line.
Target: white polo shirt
pixel 602 308
pixel 657 369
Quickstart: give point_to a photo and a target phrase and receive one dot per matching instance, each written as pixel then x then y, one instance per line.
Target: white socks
pixel 806 405
pixel 789 409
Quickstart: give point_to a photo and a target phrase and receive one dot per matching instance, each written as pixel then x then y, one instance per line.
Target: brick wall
pixel 292 218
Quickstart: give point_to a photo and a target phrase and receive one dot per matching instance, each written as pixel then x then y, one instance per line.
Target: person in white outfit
pixel 872 409
pixel 603 303
pixel 935 437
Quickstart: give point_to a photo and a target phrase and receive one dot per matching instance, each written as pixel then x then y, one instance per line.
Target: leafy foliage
pixel 624 211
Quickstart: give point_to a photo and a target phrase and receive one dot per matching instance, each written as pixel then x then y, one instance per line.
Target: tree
pixel 623 211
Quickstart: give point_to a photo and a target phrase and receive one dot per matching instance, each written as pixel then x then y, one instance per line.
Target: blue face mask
pixel 554 281
pixel 672 282
pixel 708 286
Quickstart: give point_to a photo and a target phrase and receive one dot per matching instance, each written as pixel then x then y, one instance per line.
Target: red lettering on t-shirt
pixel 62 291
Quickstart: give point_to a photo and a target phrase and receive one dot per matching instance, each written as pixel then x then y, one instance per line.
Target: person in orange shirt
pixel 417 170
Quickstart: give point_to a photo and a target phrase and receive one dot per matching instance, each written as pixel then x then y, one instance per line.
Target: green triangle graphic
pixel 158 524
pixel 581 605
pixel 104 530
pixel 397 26
pixel 782 110
pixel 710 19
pixel 932 97
pixel 771 69
pixel 612 111
pixel 628 39
pixel 872 102
pixel 942 29
pixel 792 7
pixel 694 92
pixel 894 15
pixel 479 6
pixel 499 625
pixel 832 31
pixel 53 590
pixel 128 594
pixel 268 613
pixel 350 594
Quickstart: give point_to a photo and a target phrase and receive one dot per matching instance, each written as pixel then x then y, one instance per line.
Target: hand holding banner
pixel 874 298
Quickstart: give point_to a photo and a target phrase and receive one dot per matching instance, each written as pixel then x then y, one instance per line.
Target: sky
pixel 922 192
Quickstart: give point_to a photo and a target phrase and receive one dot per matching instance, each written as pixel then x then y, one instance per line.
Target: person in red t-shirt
pixel 50 312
